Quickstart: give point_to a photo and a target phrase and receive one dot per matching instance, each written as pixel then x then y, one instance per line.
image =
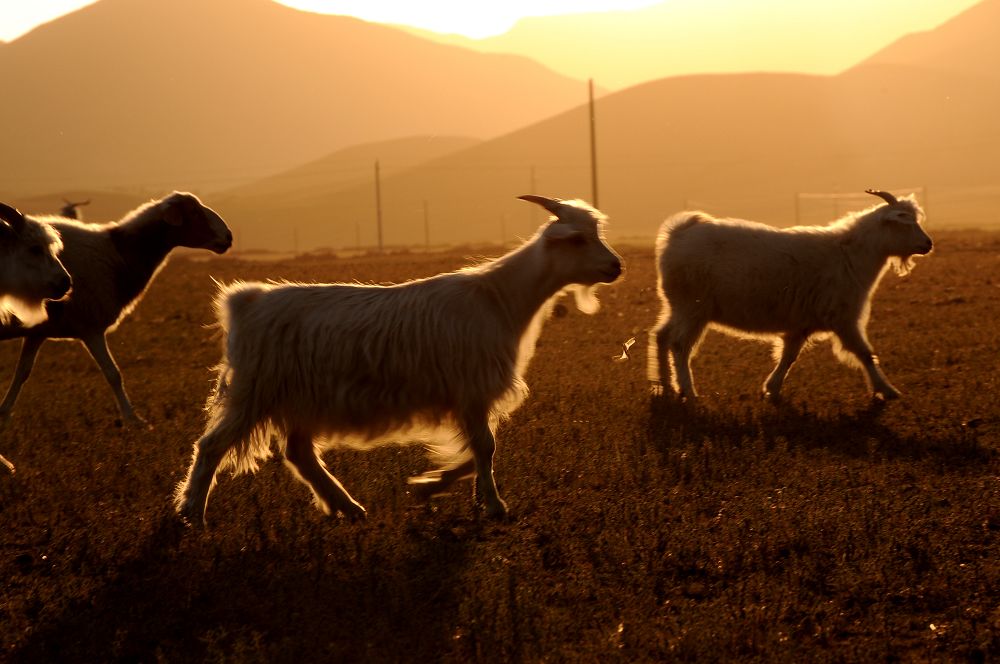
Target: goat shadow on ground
pixel 365 602
pixel 858 434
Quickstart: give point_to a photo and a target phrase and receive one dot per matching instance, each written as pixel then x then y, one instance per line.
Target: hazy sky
pixel 481 18
pixel 669 37
pixel 473 19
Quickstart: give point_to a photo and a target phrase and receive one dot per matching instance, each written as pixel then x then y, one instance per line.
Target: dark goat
pixel 111 266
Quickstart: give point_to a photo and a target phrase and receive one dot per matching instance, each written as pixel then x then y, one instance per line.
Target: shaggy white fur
pixel 439 361
pixel 783 285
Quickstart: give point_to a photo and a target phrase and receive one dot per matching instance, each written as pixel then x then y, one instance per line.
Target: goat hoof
pixel 497 511
pixel 195 522
pixel 888 394
pixel 133 421
pixel 354 513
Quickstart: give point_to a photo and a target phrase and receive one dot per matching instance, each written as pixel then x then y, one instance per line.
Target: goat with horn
pixel 786 286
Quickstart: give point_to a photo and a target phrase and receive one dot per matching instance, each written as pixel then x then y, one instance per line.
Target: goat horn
pixel 12 216
pixel 550 204
pixel 884 195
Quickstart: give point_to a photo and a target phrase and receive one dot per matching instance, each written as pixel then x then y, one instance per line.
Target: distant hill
pixel 739 145
pixel 681 37
pixel 295 194
pixel 351 166
pixel 208 94
pixel 966 45
pixel 104 205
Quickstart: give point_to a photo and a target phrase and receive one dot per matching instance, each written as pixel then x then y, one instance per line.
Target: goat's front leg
pixel 331 496
pixel 854 342
pixel 483 446
pixel 98 346
pixel 791 346
pixel 29 351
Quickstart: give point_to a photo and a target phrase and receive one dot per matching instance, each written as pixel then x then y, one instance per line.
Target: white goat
pixel 439 360
pixel 111 266
pixel 30 270
pixel 785 285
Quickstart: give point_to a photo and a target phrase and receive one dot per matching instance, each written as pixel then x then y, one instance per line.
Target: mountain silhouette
pixel 736 144
pixel 351 166
pixel 967 45
pixel 622 48
pixel 208 94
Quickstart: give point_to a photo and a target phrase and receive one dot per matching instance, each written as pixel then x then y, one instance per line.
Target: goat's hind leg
pixel 29 351
pixel 331 496
pixel 658 367
pixel 191 497
pixel 680 337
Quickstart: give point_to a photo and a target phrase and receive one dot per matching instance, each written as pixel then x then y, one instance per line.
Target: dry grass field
pixel 827 529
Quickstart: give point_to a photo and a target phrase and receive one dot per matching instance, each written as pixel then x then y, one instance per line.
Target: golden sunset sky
pixel 621 43
pixel 485 19
pixel 471 19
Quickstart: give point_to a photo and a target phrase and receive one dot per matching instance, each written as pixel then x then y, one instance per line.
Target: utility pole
pixel 427 226
pixel 593 146
pixel 378 205
pixel 532 210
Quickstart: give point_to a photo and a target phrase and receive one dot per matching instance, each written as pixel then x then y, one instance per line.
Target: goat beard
pixel 902 264
pixel 28 313
pixel 586 298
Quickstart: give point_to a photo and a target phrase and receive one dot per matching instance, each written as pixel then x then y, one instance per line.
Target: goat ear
pixel 173 210
pixel 560 232
pixel 900 216
pixel 13 217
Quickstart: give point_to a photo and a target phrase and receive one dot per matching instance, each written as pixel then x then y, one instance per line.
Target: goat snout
pixel 612 270
pixel 926 248
pixel 60 286
pixel 224 243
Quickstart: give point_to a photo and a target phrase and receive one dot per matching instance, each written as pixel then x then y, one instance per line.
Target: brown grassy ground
pixel 824 530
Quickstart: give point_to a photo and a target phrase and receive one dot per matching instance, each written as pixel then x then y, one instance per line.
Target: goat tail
pixel 234 300
pixel 675 224
pixel 232 409
pixel 657 359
